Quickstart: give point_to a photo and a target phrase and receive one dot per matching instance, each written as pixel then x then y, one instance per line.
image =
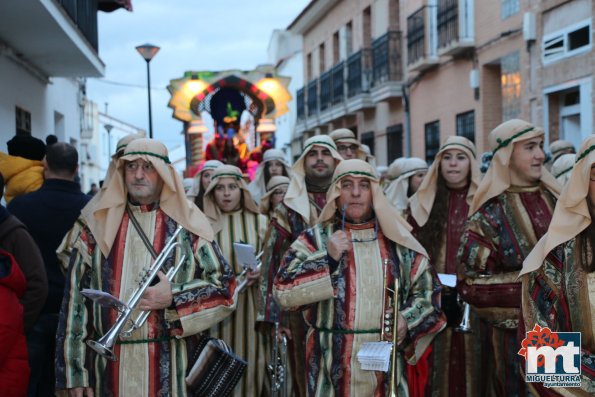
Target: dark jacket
pixel 15 239
pixel 14 364
pixel 49 213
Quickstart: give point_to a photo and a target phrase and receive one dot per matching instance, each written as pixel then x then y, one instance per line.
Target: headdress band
pixel 504 143
pixel 164 158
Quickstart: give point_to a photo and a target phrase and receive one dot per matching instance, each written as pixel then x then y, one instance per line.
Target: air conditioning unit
pixel 529 27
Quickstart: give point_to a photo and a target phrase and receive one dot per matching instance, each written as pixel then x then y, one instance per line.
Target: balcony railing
pixel 325 90
pixel 359 66
pixel 386 58
pixel 415 36
pixel 84 14
pixel 312 97
pixel 455 25
pixel 300 103
pixel 338 82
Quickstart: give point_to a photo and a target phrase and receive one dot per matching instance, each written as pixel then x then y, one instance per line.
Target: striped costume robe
pixel 449 362
pixel 153 362
pixel 238 330
pixel 497 239
pixel 343 305
pixel 284 228
pixel 561 295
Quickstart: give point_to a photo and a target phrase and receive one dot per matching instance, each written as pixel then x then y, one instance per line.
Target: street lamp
pixel 148 51
pixel 109 128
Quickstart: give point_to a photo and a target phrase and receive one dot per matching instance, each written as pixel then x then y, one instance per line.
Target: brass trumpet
pixel 104 346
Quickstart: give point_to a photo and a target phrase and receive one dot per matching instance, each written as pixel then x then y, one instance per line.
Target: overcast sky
pixel 193 35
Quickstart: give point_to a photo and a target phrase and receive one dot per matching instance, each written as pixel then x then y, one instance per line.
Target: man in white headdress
pixel 305 198
pixel 557 149
pixel 113 247
pixel 347 144
pixel 335 273
pixel 511 210
pixel 558 276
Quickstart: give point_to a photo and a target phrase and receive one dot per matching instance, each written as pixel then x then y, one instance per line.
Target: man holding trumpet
pixel 333 272
pixel 111 248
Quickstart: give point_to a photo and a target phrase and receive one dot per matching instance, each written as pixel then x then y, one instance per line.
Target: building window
pixel 466 125
pixel 368 140
pixel 23 121
pixel 432 140
pixel 394 142
pixel 567 42
pixel 321 64
pixel 508 8
pixel 510 78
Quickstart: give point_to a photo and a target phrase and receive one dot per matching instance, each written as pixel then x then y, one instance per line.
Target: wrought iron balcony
pixel 455 26
pixel 326 90
pixel 338 82
pixel 359 67
pixel 84 15
pixel 386 58
pixel 421 39
pixel 300 104
pixel 312 97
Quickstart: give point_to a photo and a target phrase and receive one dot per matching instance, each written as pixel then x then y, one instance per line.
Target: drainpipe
pixel 407 122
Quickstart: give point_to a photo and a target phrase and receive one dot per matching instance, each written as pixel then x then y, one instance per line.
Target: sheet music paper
pixel 375 356
pixel 245 255
pixel 449 280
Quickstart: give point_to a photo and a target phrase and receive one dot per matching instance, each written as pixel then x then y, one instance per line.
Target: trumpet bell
pixel 102 350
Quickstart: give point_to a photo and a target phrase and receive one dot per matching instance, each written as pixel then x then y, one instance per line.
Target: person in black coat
pixel 49 213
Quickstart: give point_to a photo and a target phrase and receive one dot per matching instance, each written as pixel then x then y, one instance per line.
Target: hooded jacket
pixel 14 364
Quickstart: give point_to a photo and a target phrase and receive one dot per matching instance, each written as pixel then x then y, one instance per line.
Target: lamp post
pixel 148 51
pixel 108 127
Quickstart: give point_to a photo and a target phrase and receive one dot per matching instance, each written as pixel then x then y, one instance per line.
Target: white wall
pixel 287 48
pixel 43 100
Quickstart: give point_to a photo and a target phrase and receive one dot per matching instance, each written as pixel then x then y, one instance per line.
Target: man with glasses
pixel 110 248
pixel 347 145
pixel 335 271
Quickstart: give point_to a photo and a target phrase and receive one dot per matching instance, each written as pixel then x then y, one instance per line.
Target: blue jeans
pixel 41 343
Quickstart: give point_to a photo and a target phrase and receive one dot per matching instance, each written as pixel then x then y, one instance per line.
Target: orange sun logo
pixel 539 337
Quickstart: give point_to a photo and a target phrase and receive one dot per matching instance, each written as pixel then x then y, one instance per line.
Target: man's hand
pixel 80 392
pixel 401 328
pixel 282 331
pixel 252 277
pixel 337 244
pixel 158 296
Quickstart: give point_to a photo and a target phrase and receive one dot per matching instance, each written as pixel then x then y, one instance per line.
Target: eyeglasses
pixel 133 166
pixel 357 240
pixel 344 148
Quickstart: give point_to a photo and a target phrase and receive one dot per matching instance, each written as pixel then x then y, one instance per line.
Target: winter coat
pixel 21 175
pixel 14 364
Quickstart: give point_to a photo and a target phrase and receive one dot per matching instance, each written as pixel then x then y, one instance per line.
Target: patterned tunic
pixel 238 330
pixel 344 301
pixel 497 239
pixel 450 359
pixel 284 228
pixel 153 361
pixel 561 296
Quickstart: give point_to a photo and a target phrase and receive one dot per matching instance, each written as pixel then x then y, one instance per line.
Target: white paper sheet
pixel 375 356
pixel 245 255
pixel 450 280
